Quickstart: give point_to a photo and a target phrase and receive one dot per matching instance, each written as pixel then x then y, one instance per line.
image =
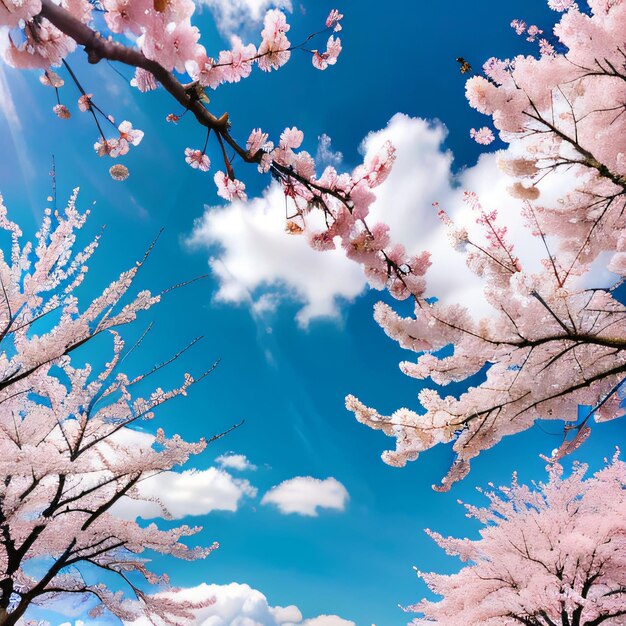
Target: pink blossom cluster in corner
pixel 164 33
pixel 547 549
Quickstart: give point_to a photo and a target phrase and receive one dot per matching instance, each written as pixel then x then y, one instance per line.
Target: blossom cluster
pixel 164 33
pixel 551 553
pixel 554 339
pixel 167 40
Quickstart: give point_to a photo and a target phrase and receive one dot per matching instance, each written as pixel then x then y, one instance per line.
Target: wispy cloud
pixel 325 154
pixel 14 125
pixel 7 105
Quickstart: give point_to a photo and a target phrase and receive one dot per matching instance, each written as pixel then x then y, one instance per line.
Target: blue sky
pixel 287 378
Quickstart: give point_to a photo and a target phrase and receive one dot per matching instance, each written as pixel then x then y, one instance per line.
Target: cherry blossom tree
pixel 68 450
pixel 555 339
pixel 547 555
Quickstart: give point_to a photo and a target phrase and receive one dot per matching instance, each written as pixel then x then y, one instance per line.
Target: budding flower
pixel 118 172
pixel 524 193
pixel 51 79
pixel 62 111
pixel 518 167
pixel 84 102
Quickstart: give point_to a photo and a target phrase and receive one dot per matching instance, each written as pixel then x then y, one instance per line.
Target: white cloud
pixel 231 16
pixel 422 175
pixel 286 614
pixel 192 492
pixel 259 264
pixel 257 255
pixel 235 461
pixel 240 605
pixel 304 495
pixel 327 620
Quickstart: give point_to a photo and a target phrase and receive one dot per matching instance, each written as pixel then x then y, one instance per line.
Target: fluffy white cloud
pixel 191 492
pixel 260 265
pixel 258 262
pixel 235 461
pixel 304 495
pixel 231 16
pixel 240 605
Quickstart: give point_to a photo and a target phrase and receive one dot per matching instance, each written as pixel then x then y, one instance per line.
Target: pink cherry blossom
pixel 13 11
pixel 171 44
pixel 333 19
pixel 546 48
pixel 519 26
pixel 204 69
pixel 274 49
pixel 482 136
pixel 143 80
pixel 229 188
pixel 44 45
pixel 291 138
pixel 129 134
pixel 125 15
pixel 84 102
pixel 108 147
pixel 238 61
pixel 197 159
pixel 321 60
pixel 533 32
pixel 256 141
pixel 51 79
pixel 560 5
